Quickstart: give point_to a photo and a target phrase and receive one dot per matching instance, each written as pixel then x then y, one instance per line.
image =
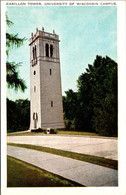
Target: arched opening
pixel 51 50
pixel 47 49
pixel 35 118
pixel 35 53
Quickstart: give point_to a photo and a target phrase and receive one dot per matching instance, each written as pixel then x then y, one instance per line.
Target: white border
pixel 122 93
pixel 3 98
pixel 122 113
pixel 62 3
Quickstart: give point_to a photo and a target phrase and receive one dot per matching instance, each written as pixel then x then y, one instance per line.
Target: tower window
pixel 50 71
pixel 47 49
pixel 34 52
pixel 34 88
pixel 51 103
pixel 35 116
pixel 34 72
pixel 51 50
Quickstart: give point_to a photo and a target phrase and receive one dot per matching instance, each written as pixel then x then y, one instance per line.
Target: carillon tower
pixel 46 108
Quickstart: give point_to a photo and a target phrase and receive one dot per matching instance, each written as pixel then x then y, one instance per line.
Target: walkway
pixel 103 147
pixel 84 173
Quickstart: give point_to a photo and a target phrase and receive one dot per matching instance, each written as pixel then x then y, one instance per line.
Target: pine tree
pixel 13 78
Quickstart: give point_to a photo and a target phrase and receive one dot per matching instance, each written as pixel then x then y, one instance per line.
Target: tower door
pixel 35 118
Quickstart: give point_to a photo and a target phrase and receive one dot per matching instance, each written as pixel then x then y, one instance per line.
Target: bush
pixel 53 131
pixel 70 124
pixel 45 131
pixel 36 130
pixel 39 130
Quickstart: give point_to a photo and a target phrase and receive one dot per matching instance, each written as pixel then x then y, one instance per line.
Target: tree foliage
pixel 70 106
pixel 18 115
pixel 95 107
pixel 13 77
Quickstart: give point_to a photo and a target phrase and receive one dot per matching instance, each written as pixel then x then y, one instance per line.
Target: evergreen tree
pixel 13 77
pixel 18 115
pixel 70 109
pixel 93 107
pixel 97 91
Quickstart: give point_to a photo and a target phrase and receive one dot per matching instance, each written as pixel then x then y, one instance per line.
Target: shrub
pixel 70 124
pixel 53 131
pixel 45 131
pixel 39 130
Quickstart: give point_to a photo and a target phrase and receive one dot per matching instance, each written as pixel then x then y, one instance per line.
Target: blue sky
pixel 84 33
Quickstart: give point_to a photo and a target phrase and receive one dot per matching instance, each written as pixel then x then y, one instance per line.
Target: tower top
pixel 43 34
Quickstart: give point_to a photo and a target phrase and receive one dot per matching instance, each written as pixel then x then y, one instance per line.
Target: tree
pixel 93 107
pixel 104 119
pixel 97 92
pixel 18 115
pixel 11 115
pixel 13 77
pixel 70 108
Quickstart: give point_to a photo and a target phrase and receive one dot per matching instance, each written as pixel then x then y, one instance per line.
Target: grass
pixel 60 132
pixel 83 157
pixel 24 134
pixel 21 174
pixel 77 133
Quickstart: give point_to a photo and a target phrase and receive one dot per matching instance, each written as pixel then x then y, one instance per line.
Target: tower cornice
pixel 43 34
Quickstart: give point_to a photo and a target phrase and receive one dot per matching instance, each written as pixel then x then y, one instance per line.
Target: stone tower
pixel 46 108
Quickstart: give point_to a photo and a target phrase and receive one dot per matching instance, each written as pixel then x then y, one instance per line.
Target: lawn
pixel 60 132
pixel 21 174
pixel 83 157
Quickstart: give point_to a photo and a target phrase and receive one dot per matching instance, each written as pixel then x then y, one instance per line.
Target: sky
pixel 84 32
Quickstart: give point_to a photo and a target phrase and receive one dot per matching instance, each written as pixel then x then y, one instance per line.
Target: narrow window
pixel 50 71
pixel 34 88
pixel 51 103
pixel 47 50
pixel 34 72
pixel 35 53
pixel 34 116
pixel 51 50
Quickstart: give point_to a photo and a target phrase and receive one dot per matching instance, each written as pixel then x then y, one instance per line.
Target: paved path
pixel 84 173
pixel 103 147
